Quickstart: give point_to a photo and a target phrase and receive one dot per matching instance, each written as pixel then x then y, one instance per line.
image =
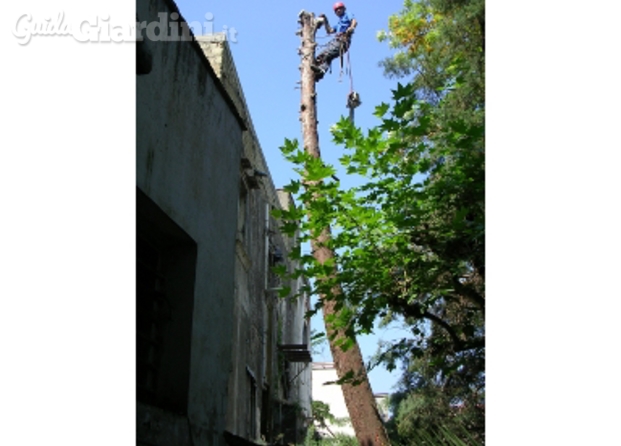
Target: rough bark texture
pixel 359 399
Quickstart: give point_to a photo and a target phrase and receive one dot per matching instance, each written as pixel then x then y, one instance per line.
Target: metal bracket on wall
pixel 295 352
pixel 298 374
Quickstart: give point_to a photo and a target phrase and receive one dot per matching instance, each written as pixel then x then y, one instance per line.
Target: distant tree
pixel 322 418
pixel 441 46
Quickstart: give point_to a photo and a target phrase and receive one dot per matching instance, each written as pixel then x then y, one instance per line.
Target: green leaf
pixel 381 109
pixel 289 146
pixel 293 187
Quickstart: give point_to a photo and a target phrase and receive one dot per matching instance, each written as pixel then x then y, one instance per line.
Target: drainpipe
pixel 270 324
pixel 267 243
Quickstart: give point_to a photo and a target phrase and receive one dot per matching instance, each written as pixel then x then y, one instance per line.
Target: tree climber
pixel 337 46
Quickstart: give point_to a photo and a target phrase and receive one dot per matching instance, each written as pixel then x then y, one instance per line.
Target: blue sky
pixel 266 58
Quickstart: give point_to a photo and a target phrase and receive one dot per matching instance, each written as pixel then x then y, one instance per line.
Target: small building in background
pixel 324 390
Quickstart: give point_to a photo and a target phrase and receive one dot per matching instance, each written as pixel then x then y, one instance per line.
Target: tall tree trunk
pixel 359 398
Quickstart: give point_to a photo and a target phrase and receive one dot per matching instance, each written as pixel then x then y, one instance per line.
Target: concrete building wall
pixel 210 321
pixel 263 321
pixel 218 51
pixel 189 143
pixel 296 326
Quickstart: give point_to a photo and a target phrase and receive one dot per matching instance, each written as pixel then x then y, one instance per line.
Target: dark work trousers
pixel 337 46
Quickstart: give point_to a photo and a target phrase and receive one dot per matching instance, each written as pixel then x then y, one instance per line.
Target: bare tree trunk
pixel 359 399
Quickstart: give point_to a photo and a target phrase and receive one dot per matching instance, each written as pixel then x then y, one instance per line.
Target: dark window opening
pixel 242 213
pixel 152 313
pixel 305 339
pixel 165 274
pixel 285 380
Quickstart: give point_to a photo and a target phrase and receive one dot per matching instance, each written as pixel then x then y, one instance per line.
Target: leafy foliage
pixel 410 241
pixel 321 418
pixel 321 413
pixel 312 439
pixel 430 403
pixel 440 42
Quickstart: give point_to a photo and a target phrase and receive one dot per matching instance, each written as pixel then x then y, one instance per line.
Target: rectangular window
pixel 150 314
pixel 242 212
pixel 165 275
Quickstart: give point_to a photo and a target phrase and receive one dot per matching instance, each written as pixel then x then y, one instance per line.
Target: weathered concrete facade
pixel 262 324
pixel 214 358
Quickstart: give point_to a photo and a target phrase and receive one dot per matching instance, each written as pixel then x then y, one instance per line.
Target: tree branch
pixel 469 293
pixel 415 311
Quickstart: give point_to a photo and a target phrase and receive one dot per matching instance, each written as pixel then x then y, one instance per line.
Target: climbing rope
pixel 353 98
pixel 341 52
pixel 351 76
